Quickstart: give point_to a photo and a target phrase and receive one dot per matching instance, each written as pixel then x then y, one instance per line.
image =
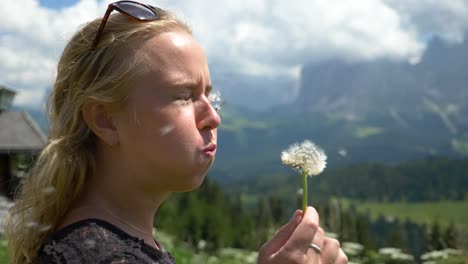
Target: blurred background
pixel 381 85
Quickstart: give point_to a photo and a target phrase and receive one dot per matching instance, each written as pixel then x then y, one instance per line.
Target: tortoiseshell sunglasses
pixel 133 10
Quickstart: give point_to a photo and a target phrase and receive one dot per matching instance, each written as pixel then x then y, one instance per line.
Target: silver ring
pixel 316 248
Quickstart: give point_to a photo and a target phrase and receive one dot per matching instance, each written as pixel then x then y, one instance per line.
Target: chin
pixel 193 184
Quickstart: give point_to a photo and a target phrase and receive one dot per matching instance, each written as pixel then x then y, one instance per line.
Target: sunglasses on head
pixel 133 10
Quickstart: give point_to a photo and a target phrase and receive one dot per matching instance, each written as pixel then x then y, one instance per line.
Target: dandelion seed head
pixel 305 157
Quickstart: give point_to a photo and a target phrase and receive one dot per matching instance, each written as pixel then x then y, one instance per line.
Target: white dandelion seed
pixel 32 224
pixel 44 228
pixel 306 157
pixel 215 100
pixel 166 130
pixel 90 243
pixel 48 190
pixel 299 192
pixel 343 152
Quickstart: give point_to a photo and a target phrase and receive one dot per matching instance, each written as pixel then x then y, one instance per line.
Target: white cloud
pixel 448 19
pixel 31 40
pixel 261 38
pixel 292 32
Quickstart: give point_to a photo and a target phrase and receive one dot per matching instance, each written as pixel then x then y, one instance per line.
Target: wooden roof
pixel 20 133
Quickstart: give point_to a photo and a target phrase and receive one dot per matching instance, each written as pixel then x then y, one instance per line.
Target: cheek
pixel 181 120
pixel 175 129
pixel 160 127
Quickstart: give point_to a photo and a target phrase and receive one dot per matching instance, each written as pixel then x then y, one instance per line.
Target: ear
pixel 98 118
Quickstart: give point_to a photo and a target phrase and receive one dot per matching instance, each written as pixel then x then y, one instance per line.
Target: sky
pixel 250 39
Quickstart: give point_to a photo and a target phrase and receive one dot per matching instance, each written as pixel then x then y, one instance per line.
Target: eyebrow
pixel 193 86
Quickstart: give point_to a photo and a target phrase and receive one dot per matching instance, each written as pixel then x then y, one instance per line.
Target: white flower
pixel 201 244
pixel 352 248
pixel 440 254
pixel 396 254
pixel 305 157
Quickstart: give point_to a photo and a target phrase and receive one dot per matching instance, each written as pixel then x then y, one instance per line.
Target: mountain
pixel 437 85
pixel 379 111
pixel 250 91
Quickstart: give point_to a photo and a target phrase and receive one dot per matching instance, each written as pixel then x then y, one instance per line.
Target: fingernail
pixel 297 217
pixel 314 214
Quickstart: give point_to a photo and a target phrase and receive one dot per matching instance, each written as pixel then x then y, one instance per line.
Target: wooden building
pixel 19 136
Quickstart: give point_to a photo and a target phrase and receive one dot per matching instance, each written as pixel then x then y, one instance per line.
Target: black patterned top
pixel 97 241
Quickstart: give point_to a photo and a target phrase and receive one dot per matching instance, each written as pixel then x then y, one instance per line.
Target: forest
pixel 244 218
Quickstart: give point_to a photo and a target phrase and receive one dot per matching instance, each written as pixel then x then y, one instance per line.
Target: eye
pixel 183 98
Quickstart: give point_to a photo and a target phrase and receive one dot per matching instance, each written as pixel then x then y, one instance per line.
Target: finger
pixel 330 250
pixel 282 235
pixel 318 241
pixel 305 232
pixel 342 258
pixel 313 254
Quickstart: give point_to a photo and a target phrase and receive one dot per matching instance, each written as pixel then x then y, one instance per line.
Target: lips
pixel 210 149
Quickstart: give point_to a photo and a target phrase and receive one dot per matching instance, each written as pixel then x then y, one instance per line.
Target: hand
pixel 291 243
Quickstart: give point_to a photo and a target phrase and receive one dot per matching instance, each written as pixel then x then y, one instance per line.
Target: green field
pixel 423 212
pixel 3 251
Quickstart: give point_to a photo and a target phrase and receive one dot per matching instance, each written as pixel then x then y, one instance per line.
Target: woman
pixel 131 122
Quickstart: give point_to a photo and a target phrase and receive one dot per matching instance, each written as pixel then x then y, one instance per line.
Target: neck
pixel 120 197
pixel 135 214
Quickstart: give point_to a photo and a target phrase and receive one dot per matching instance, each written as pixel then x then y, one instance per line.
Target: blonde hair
pixel 58 175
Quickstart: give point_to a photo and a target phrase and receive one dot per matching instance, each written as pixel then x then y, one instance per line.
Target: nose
pixel 207 116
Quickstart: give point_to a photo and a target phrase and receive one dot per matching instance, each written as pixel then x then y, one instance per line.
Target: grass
pixel 423 212
pixel 3 252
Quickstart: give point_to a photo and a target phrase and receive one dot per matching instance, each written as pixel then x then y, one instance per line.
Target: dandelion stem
pixel 304 191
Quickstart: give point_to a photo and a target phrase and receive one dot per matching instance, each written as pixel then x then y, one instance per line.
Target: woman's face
pixel 167 131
